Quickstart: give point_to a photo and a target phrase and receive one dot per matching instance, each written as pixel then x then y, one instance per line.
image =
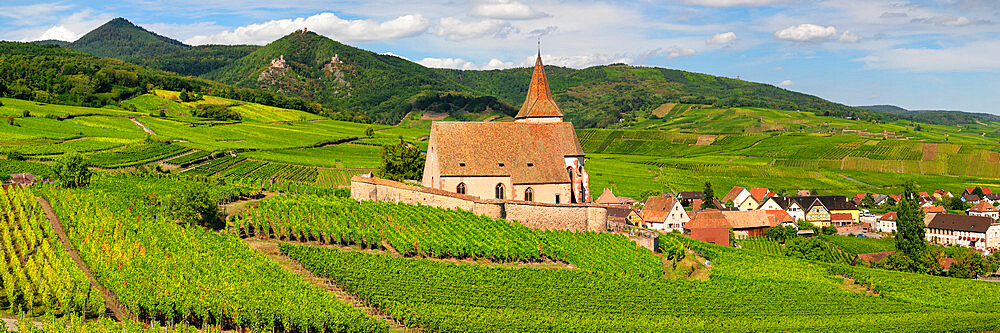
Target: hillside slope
pixel 339 76
pixel 121 39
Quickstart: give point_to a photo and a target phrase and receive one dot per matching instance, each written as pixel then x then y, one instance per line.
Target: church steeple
pixel 539 106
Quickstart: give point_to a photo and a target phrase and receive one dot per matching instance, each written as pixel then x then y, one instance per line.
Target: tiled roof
pixel 708 219
pixel 970 197
pixel 841 217
pixel 983 207
pixel 759 194
pixel 890 216
pixel 960 222
pixel 831 202
pixel 654 215
pixel 749 219
pixel 529 153
pixel 780 216
pixel 539 102
pixel 608 198
pixel 691 195
pixel 733 193
pixel 933 209
pixel 659 204
pixel 992 196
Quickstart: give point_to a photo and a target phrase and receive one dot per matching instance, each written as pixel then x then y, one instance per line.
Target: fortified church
pixel 537 157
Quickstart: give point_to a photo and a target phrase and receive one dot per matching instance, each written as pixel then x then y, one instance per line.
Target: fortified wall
pixel 577 217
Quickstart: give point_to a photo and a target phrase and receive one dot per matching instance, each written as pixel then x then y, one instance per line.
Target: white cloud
pixel 786 83
pixel 59 32
pixel 893 15
pixel 579 61
pixel 979 56
pixel 723 38
pixel 69 28
pixel 849 37
pixel 505 9
pixel 456 29
pixel 948 20
pixel 679 52
pixel 806 33
pixel 732 3
pixel 458 63
pixel 31 13
pixel 327 24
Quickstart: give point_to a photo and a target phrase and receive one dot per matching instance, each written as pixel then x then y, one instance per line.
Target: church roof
pixel 608 198
pixel 539 102
pixel 529 153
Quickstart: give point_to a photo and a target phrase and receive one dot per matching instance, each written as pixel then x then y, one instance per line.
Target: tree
pixel 71 170
pixel 708 197
pixel 829 230
pixel 897 262
pixel 401 161
pixel 183 96
pixel 868 201
pixel 369 131
pixel 910 224
pixel 955 203
pixel 195 206
pixel 978 192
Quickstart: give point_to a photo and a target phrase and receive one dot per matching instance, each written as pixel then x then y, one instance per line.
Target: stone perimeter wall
pixel 578 217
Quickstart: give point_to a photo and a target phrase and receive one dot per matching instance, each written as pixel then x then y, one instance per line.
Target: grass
pixel 335 156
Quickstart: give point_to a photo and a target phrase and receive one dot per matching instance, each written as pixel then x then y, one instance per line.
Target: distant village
pixel 750 212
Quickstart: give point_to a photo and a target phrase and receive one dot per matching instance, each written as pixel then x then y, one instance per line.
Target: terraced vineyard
pixel 36 274
pixel 159 269
pixel 762 245
pixel 423 231
pixel 747 292
pixel 136 155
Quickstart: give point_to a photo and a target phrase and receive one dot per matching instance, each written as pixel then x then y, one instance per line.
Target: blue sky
pixel 919 55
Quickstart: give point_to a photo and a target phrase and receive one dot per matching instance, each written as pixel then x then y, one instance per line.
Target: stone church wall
pixel 579 217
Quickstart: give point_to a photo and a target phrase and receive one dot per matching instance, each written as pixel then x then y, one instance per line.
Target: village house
pixel 609 198
pixel 984 208
pixel 664 213
pixel 815 209
pixel 537 157
pixel 933 209
pixel 755 222
pixel 709 226
pixel 940 195
pixel 735 196
pixel 970 198
pixel 756 198
pixel 963 230
pixel 886 223
pixel 992 197
pixel 624 215
pixel 688 196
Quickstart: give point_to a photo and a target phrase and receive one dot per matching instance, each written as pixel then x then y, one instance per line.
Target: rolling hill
pixel 945 117
pixel 386 88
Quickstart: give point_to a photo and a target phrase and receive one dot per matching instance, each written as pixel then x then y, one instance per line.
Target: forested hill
pixel 383 87
pixel 599 96
pixel 121 39
pixel 945 117
pixel 51 74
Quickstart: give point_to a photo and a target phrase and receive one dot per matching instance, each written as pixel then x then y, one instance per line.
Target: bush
pixel 71 170
pixel 195 206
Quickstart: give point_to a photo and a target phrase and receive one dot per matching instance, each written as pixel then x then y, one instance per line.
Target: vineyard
pixel 859 245
pixel 163 271
pixel 423 231
pixel 37 274
pixel 762 245
pixel 135 155
pixel 190 159
pixel 747 292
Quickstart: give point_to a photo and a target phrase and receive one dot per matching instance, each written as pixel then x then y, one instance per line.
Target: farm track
pixel 143 126
pixel 110 301
pixel 270 249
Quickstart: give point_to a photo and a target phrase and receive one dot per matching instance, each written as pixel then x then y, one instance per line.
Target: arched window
pixel 460 189
pixel 529 195
pixel 500 191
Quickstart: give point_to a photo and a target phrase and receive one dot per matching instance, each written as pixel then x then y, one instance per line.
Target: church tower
pixel 539 106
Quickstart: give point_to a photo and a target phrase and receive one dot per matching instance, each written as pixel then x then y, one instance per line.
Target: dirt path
pixel 144 128
pixel 110 301
pixel 271 250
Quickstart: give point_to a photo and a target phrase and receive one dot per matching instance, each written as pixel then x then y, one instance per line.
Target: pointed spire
pixel 539 102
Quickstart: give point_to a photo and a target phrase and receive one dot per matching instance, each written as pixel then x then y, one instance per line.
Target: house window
pixel 460 189
pixel 529 195
pixel 500 191
pixel 557 198
pixel 531 164
pixel 501 165
pixel 461 164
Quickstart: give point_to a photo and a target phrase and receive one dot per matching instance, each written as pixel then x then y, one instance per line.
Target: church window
pixel 500 191
pixel 461 164
pixel 529 194
pixel 501 165
pixel 461 188
pixel 531 164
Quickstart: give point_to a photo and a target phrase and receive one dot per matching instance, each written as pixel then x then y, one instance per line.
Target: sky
pixel 941 55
